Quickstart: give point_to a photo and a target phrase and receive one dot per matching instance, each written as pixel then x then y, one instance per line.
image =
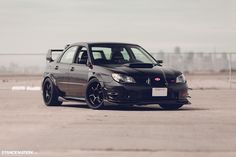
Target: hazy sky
pixel 194 25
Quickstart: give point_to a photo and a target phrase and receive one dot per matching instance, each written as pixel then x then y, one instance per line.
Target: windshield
pixel 120 54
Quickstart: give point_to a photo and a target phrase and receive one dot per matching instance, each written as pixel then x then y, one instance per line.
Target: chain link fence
pixel 203 70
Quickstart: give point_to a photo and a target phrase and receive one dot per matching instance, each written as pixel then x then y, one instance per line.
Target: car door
pixel 61 68
pixel 78 73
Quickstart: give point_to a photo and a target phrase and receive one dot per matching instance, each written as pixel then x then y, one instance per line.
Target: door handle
pixel 56 68
pixel 72 69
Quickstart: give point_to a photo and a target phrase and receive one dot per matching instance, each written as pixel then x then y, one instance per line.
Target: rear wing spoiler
pixel 49 56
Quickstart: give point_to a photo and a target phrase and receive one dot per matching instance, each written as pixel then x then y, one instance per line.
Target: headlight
pixel 121 78
pixel 181 79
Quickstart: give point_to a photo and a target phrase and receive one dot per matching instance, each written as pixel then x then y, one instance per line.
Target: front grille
pixel 160 83
pixel 150 81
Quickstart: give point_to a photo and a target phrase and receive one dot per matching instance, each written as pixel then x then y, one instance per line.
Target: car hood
pixel 143 70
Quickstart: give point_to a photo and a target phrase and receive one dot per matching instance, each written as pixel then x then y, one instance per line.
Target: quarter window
pixel 68 56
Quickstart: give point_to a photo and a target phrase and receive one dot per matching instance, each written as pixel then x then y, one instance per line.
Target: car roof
pixel 102 43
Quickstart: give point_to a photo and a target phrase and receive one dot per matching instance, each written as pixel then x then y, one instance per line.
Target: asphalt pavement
pixel 207 127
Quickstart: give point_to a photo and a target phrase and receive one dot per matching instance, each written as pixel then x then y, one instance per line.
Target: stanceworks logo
pixel 17 152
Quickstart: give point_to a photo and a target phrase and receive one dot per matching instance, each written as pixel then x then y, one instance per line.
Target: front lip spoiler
pixel 180 101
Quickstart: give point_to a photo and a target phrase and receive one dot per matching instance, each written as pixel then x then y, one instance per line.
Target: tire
pixel 50 93
pixel 171 106
pixel 94 94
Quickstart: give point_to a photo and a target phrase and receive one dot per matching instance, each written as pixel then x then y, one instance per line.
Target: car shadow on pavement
pixel 133 108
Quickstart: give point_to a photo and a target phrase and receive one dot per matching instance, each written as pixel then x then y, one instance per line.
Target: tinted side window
pixel 97 55
pixel 82 56
pixel 106 51
pixel 68 56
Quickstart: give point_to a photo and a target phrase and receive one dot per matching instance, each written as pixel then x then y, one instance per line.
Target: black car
pixel 111 73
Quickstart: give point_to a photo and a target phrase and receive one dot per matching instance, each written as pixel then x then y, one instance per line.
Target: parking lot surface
pixel 206 128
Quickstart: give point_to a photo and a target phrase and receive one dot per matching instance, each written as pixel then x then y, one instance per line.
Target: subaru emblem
pixel 157 79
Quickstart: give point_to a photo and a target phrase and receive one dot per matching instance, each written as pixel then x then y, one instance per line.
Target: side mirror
pixel 89 64
pixel 160 62
pixel 49 56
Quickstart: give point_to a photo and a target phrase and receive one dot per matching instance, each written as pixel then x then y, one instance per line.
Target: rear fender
pixel 50 77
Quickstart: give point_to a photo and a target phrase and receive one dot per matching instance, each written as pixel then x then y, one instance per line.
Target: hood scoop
pixel 140 65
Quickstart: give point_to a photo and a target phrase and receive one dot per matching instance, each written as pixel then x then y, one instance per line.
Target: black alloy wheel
pixel 94 94
pixel 50 94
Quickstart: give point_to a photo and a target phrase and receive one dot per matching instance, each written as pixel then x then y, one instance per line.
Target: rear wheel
pixel 171 106
pixel 50 94
pixel 94 94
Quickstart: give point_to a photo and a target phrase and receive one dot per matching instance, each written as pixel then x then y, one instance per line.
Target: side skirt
pixel 63 99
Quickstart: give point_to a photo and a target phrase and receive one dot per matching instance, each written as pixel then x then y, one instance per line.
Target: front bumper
pixel 142 95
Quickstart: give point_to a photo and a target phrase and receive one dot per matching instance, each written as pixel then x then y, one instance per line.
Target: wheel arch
pixel 48 77
pixel 92 77
pixel 98 78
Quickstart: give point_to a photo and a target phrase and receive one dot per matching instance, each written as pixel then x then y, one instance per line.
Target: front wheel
pixel 94 94
pixel 171 106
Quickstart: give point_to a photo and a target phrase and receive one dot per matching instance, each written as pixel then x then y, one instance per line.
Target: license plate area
pixel 162 92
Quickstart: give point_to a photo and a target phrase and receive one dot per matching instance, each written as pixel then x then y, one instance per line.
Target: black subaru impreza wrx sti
pixel 111 73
